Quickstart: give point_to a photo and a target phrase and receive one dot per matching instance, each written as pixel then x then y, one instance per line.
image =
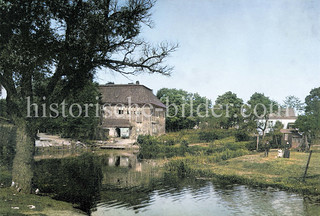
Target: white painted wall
pixel 272 122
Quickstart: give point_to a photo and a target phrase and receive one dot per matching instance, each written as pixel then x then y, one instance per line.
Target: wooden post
pixel 257 142
pixel 305 172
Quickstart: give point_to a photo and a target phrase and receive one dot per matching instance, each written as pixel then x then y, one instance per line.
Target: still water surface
pixel 205 198
pixel 119 184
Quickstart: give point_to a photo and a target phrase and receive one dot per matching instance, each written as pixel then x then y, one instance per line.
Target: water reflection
pixel 76 180
pixel 80 180
pixel 119 184
pixel 204 198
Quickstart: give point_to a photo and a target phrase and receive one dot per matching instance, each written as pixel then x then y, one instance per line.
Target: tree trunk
pixel 22 171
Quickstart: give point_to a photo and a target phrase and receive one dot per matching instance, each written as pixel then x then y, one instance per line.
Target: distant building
pixel 286 116
pixel 130 110
pixel 293 137
pixel 290 134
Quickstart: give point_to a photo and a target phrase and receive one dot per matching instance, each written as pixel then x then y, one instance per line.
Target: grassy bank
pixel 155 147
pixel 14 203
pixel 256 170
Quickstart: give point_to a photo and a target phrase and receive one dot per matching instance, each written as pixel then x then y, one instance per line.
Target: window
pixel 120 112
pixel 270 124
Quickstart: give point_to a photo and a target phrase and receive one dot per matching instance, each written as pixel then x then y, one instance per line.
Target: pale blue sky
pixel 246 46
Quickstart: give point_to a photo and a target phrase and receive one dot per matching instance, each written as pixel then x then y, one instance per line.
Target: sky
pixel 243 46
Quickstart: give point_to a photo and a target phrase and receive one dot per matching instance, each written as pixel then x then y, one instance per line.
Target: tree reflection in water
pixel 118 183
pixel 76 180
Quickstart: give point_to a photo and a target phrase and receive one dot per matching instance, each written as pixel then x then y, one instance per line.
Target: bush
pixel 169 142
pixel 251 145
pixel 183 147
pixel 7 144
pixel 185 166
pixel 155 147
pixel 241 135
pixel 208 136
pixel 149 147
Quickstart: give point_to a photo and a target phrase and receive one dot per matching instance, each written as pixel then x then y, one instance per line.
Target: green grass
pixel 195 136
pixel 10 199
pixel 5 176
pixel 254 169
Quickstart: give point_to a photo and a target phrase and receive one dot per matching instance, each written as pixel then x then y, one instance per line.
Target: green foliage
pixel 155 147
pixel 260 108
pixel 82 127
pixel 310 122
pixel 251 145
pixel 3 108
pixel 196 136
pixel 7 144
pixel 52 49
pixel 149 147
pixel 185 166
pixel 182 108
pixel 184 147
pixel 276 135
pixel 172 138
pixel 241 135
pixel 231 110
pixel 76 180
pixel 293 102
pixel 208 136
pixel 5 177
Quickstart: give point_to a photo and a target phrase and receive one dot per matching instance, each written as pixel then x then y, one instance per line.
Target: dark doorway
pixel 118 132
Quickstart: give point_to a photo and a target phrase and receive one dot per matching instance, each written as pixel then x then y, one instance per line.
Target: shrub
pixel 183 147
pixel 149 147
pixel 208 136
pixel 7 144
pixel 251 145
pixel 241 135
pixel 169 141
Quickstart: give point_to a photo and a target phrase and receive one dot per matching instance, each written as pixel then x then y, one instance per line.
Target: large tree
pixel 294 103
pixel 231 109
pixel 261 107
pixel 184 109
pixel 309 123
pixel 61 44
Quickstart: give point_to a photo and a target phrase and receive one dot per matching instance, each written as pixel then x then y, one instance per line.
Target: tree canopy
pixel 310 122
pixel 261 107
pixel 52 48
pixel 294 102
pixel 231 115
pixel 184 108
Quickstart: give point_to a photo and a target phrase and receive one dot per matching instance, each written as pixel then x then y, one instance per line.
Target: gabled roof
pixel 285 113
pixel 116 123
pixel 119 94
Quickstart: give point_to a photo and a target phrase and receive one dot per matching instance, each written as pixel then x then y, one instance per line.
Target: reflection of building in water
pixel 127 171
pixel 123 161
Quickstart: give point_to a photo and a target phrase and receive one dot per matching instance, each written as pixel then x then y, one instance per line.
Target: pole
pixel 305 172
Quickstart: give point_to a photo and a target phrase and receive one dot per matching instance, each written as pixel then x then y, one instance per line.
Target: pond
pixel 117 183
